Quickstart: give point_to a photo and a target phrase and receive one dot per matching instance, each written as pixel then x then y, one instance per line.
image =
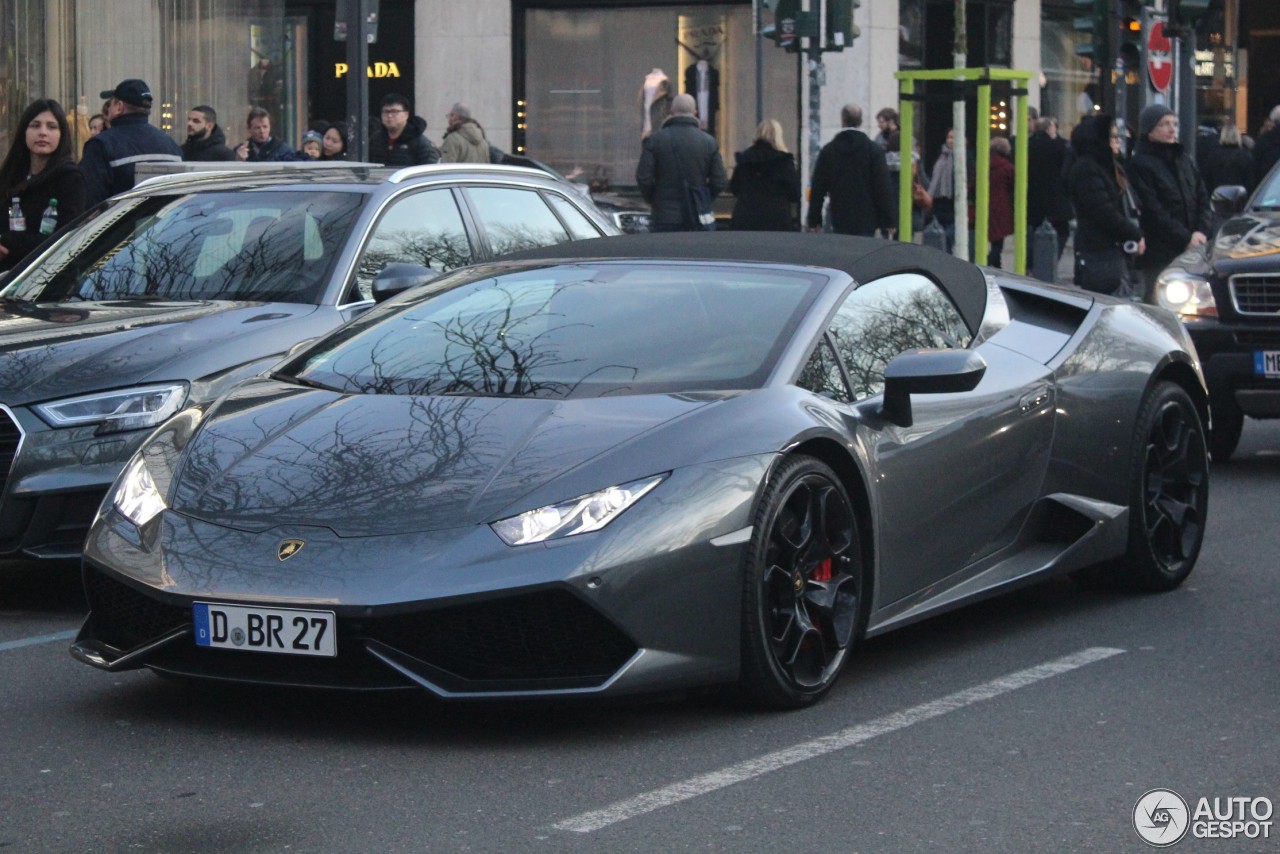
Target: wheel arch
pixel 835 455
pixel 1185 377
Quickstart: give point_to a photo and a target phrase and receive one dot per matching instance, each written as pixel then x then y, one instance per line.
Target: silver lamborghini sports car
pixel 650 462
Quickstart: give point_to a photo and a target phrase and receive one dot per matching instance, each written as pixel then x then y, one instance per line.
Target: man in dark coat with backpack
pixel 680 168
pixel 852 170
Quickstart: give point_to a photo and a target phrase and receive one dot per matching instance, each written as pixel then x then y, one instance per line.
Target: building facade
pixel 577 83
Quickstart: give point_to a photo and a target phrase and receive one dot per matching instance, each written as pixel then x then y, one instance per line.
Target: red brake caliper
pixel 822 572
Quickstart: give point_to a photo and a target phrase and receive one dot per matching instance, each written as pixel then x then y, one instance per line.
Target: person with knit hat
pixel 1175 213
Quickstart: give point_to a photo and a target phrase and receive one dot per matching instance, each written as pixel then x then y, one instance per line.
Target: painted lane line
pixel 34 641
pixel 751 768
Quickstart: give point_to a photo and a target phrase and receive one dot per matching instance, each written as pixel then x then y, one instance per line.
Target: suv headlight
pixel 1185 293
pixel 577 516
pixel 126 409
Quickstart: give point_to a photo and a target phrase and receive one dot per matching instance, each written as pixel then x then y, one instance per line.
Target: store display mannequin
pixel 702 81
pixel 657 101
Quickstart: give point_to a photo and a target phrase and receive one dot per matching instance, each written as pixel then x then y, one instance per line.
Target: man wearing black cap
pixel 109 158
pixel 1174 207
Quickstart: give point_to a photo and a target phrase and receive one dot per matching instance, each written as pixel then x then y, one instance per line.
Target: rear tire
pixel 803 600
pixel 1170 491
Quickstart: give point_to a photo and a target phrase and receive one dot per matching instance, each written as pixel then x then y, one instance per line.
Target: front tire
pixel 803 602
pixel 1170 491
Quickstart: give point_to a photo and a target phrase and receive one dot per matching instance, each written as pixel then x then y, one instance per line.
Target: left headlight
pixel 115 411
pixel 136 496
pixel 579 515
pixel 1185 293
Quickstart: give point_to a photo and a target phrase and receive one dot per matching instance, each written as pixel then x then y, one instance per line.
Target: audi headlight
pixel 136 496
pixel 115 411
pixel 577 516
pixel 1185 293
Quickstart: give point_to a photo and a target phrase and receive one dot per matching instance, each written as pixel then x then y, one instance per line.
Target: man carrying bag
pixel 680 172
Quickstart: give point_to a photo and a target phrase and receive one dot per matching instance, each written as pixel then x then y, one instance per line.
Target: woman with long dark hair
pixel 39 173
pixel 1107 230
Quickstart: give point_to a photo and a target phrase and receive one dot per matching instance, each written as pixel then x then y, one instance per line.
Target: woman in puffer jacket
pixel 1107 231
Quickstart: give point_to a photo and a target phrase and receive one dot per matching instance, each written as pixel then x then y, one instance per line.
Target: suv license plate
pixel 282 630
pixel 1266 363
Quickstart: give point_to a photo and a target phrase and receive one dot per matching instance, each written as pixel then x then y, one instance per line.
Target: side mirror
pixel 1228 200
pixel 927 372
pixel 398 278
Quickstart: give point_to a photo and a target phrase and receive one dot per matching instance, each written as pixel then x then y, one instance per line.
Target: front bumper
pixel 644 606
pixel 52 482
pixel 1227 352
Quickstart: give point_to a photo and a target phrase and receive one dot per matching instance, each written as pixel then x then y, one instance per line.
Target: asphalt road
pixel 1033 722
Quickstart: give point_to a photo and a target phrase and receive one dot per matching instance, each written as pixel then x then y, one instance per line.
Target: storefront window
pixel 598 80
pixel 1068 87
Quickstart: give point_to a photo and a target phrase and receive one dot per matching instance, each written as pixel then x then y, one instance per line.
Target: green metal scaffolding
pixel 984 77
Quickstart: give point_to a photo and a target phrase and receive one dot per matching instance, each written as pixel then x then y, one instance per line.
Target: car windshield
pixel 274 246
pixel 1268 195
pixel 571 331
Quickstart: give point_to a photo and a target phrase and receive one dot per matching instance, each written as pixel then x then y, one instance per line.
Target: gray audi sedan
pixel 167 295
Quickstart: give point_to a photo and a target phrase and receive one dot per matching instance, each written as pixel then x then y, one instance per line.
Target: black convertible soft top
pixel 862 258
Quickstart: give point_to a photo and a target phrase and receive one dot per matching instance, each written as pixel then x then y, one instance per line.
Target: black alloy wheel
pixel 1170 498
pixel 803 605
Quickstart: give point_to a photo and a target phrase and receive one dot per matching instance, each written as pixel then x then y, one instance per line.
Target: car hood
pixel 274 454
pixel 1249 242
pixel 53 350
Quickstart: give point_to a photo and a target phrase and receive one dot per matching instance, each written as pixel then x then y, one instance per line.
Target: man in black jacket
pixel 205 140
pixel 852 170
pixel 402 141
pixel 1174 206
pixel 677 157
pixel 109 158
pixel 1047 196
pixel 261 146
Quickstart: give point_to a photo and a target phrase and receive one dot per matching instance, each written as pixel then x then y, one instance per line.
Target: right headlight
pixel 1185 293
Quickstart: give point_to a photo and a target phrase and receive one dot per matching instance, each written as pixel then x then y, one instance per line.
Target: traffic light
pixel 784 28
pixel 840 30
pixel 1129 44
pixel 1091 25
pixel 1184 14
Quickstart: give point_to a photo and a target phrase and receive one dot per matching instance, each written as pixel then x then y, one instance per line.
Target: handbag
pixel 1103 271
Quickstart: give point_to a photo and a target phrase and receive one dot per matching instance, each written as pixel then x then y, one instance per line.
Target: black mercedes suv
pixel 1228 294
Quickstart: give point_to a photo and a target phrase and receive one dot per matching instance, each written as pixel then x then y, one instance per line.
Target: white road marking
pixel 34 641
pixel 751 768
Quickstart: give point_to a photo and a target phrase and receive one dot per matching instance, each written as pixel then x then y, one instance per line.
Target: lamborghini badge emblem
pixel 289 548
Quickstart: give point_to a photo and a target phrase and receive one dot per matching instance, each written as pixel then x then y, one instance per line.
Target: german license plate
pixel 1266 363
pixel 289 631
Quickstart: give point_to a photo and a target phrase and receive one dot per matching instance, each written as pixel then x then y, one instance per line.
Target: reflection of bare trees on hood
pixel 329 459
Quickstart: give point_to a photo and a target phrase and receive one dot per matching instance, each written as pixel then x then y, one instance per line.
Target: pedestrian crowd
pixel 1133 214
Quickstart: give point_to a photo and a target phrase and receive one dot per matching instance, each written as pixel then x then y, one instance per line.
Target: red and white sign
pixel 1159 58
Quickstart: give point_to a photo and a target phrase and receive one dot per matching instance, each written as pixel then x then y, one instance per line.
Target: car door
pixel 953 487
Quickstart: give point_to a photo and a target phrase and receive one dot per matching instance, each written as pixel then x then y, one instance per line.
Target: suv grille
pixel 10 440
pixel 1256 293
